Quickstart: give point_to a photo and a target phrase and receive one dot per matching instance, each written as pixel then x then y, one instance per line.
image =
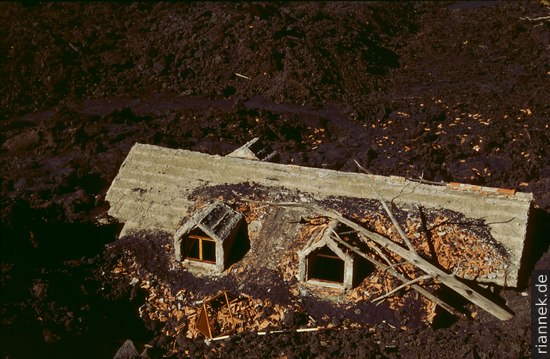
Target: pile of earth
pixel 445 91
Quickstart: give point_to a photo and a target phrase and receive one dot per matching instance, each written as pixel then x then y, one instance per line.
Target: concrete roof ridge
pixel 323 172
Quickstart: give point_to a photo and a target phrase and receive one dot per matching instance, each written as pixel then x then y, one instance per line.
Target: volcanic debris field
pixel 454 92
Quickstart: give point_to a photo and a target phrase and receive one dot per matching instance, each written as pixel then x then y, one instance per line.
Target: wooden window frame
pixel 200 240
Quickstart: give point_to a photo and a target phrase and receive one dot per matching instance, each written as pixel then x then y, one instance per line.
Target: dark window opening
pixel 200 248
pixel 324 265
pixel 193 248
pixel 240 246
pixel 208 250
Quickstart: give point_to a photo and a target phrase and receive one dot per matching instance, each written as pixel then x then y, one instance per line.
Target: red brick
pixel 507 191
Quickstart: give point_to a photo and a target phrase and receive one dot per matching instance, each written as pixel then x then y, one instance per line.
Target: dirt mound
pixel 454 92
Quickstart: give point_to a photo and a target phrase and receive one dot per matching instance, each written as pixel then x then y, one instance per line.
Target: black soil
pixel 447 91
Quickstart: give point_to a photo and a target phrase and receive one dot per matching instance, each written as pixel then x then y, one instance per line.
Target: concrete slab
pixel 152 187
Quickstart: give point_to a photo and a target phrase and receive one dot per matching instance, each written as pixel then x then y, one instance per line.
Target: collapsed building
pixel 153 190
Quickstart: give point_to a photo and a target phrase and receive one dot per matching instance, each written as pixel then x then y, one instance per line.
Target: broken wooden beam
pixel 388 211
pixel 449 280
pixel 402 278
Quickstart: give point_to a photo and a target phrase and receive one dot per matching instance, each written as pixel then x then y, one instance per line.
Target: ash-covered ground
pixel 444 91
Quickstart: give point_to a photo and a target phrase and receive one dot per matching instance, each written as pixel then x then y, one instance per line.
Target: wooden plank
pixel 449 280
pixel 399 276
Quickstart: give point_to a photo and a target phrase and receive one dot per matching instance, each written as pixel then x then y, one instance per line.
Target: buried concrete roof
pixel 152 188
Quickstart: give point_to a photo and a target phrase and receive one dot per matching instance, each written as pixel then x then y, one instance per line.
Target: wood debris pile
pixel 187 314
pixel 452 246
pixel 449 244
pixel 213 316
pixel 224 314
pixel 250 211
pixel 458 251
pixel 311 232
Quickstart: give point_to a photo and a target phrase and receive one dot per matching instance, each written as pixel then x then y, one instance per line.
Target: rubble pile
pixel 312 231
pixel 376 284
pixel 232 308
pixel 184 313
pixel 448 243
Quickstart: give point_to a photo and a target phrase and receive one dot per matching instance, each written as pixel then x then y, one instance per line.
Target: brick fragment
pixel 507 191
pixel 453 185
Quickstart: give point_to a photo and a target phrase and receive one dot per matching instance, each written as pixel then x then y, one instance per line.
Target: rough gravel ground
pixel 447 91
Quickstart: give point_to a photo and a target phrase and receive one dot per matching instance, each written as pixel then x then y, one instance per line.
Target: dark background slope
pixel 453 92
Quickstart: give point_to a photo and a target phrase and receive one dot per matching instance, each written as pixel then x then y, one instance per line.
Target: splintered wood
pixel 455 245
pixel 250 211
pixel 213 316
pixel 472 294
pixel 448 244
pixel 311 232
